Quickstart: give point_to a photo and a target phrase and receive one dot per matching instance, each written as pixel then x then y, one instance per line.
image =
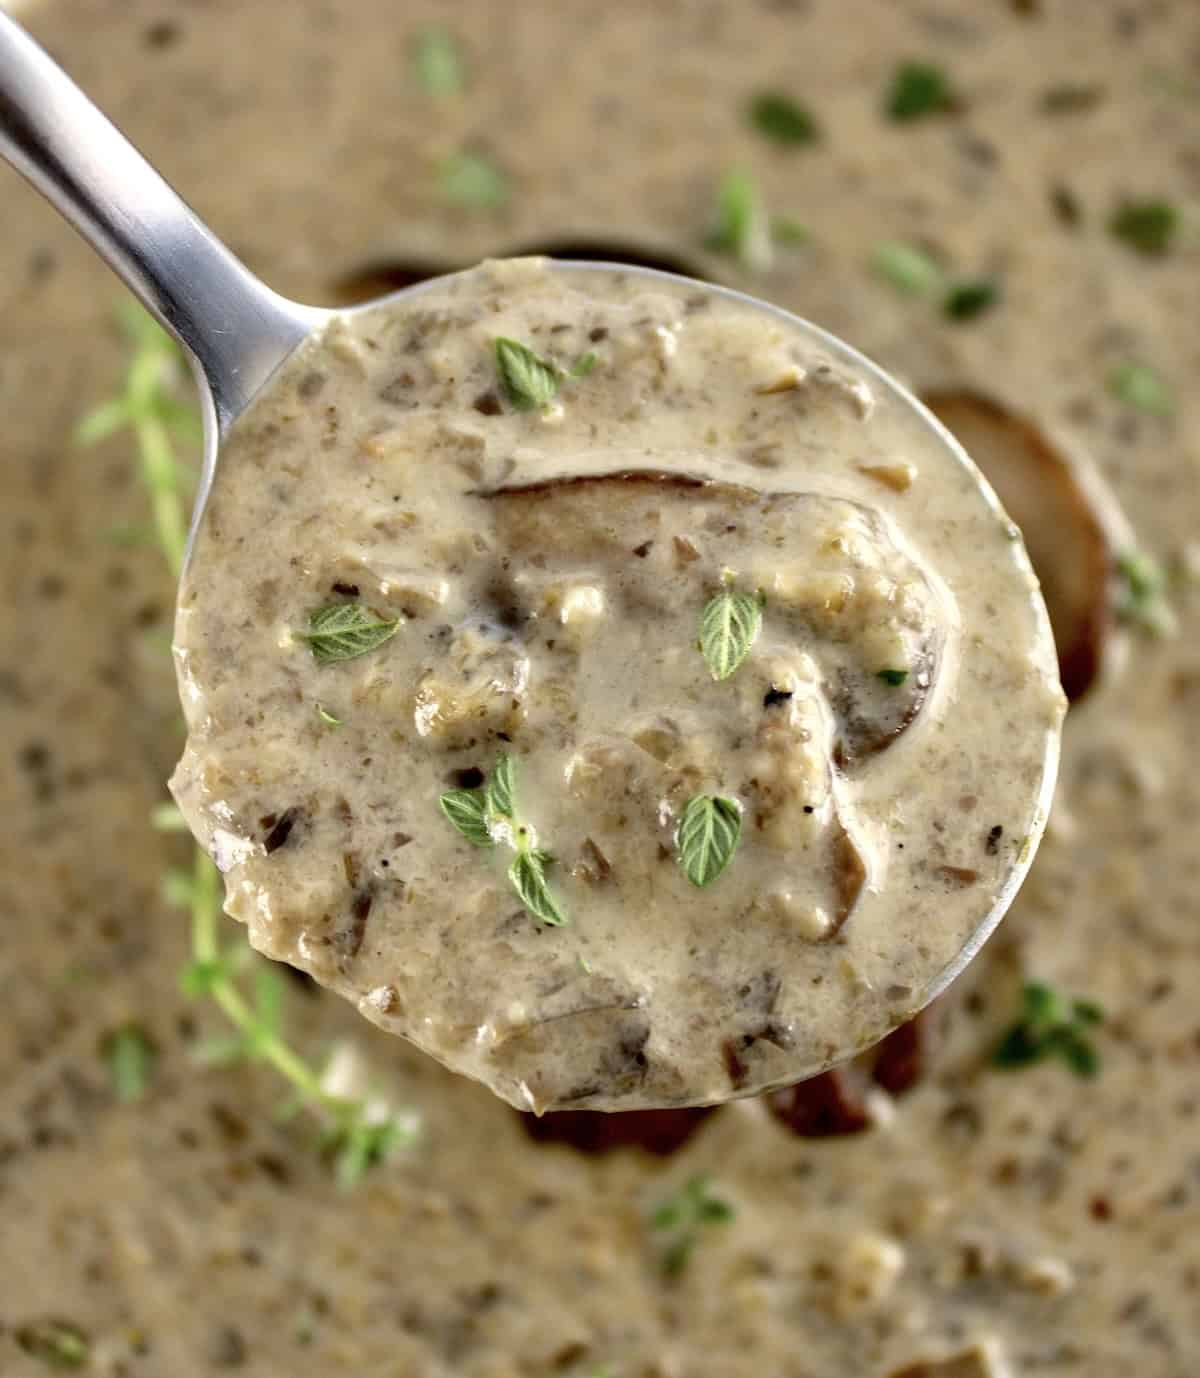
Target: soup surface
pixel 1028 1220
pixel 438 564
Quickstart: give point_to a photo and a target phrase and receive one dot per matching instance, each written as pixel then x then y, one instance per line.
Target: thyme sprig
pixel 354 1131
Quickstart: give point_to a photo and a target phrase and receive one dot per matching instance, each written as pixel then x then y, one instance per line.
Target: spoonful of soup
pixel 613 684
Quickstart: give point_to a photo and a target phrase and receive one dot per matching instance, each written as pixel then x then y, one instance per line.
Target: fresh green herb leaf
pixel 789 232
pixel 342 631
pixel 683 1217
pixel 529 381
pixel 741 227
pixel 893 677
pixel 966 300
pixel 467 810
pixel 199 978
pixel 584 365
pixel 328 718
pixel 919 89
pixel 105 420
pixel 783 120
pixel 707 837
pixel 360 1143
pixel 57 1343
pixel 908 269
pixel 729 626
pixel 437 61
pixel 473 181
pixel 1141 598
pixel 528 877
pixel 1140 387
pixel 1147 227
pixel 1050 1026
pixel 166 818
pixel 501 788
pixel 131 1057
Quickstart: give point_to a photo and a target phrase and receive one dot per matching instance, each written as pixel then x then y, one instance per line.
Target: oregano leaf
pixel 467 811
pixel 343 631
pixel 529 381
pixel 707 837
pixel 527 875
pixel 729 626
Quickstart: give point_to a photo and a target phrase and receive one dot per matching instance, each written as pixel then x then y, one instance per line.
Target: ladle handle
pixel 236 330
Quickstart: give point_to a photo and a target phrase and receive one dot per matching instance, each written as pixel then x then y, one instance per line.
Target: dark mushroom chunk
pixel 661 1132
pixel 823 1107
pixel 1071 524
pixel 587 517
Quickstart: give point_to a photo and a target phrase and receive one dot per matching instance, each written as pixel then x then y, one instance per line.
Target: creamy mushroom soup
pixel 608 688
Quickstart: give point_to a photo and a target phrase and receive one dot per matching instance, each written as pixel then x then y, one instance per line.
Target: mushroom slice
pixel 1071 523
pixel 835 1102
pixel 834 576
pixel 661 1132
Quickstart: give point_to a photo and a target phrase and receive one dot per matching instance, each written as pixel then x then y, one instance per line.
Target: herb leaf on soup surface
pixel 741 227
pixel 437 61
pixel 529 381
pixel 707 837
pixel 501 787
pixel 1141 387
pixel 467 810
pixel 729 626
pixel 1050 1025
pixel 528 877
pixel 1141 598
pixel 474 811
pixel 57 1343
pixel 473 181
pixel 131 1058
pixel 893 677
pixel 783 120
pixel 919 89
pixel 680 1220
pixel 966 300
pixel 342 631
pixel 907 268
pixel 1148 227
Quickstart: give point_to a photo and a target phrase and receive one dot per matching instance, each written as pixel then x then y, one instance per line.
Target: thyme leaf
pixel 342 631
pixel 707 837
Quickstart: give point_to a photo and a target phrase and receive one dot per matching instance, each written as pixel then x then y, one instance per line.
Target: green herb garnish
pixel 360 1143
pixel 680 1220
pixel 488 815
pixel 919 89
pixel 1145 226
pixel 57 1343
pixel 437 62
pixel 789 232
pixel 473 181
pixel 467 810
pixel 783 120
pixel 1141 387
pixel 893 677
pixel 707 837
pixel 729 626
pixel 1051 1026
pixel 149 407
pixel 342 631
pixel 1141 598
pixel 741 227
pixel 527 875
pixel 328 718
pixel 529 381
pixel 131 1058
pixel 966 300
pixel 909 269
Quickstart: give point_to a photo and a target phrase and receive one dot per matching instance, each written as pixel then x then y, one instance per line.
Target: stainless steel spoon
pixel 235 330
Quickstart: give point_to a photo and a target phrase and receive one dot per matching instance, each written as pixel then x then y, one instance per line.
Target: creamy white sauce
pixel 546 570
